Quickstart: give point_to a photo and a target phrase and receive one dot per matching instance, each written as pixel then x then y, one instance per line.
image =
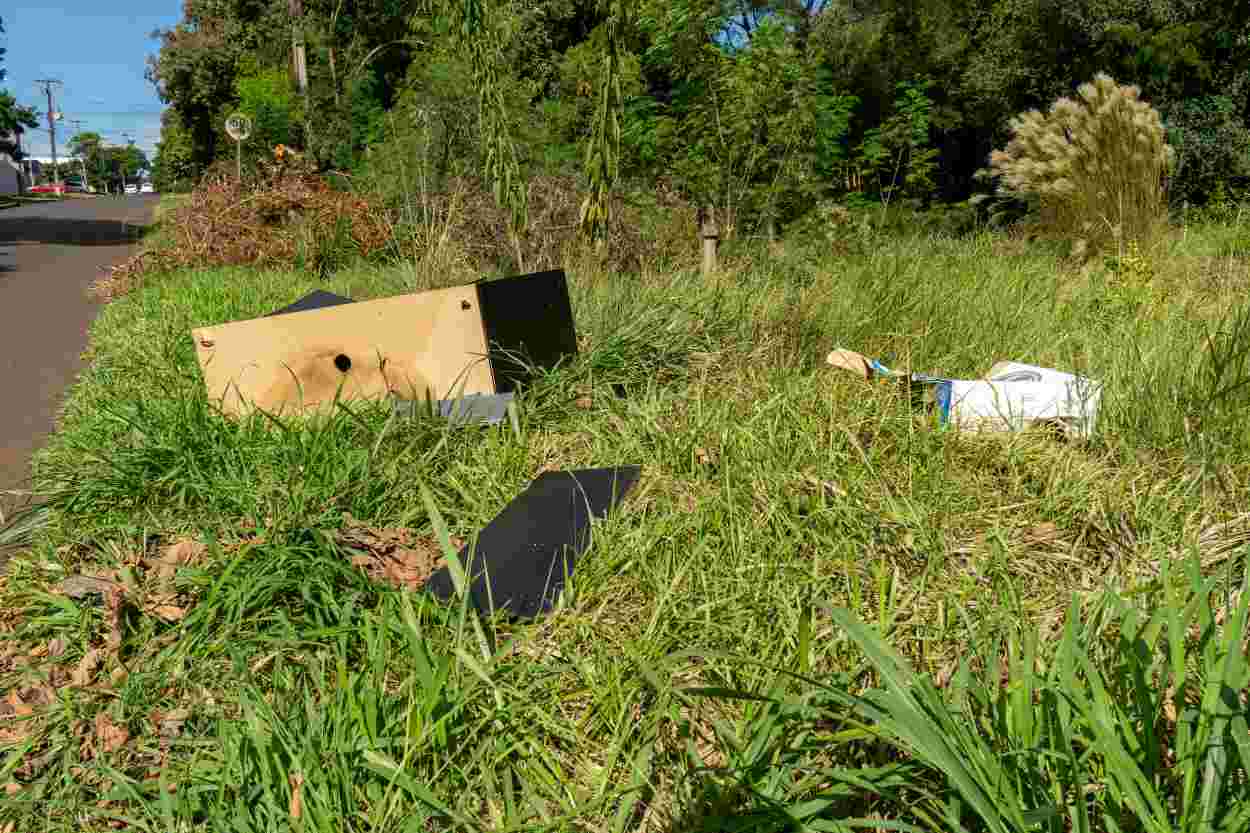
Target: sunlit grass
pixel 774 490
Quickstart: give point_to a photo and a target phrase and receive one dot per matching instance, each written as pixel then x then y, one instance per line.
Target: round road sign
pixel 239 127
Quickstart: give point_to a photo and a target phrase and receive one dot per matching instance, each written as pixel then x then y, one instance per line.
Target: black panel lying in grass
pixel 525 553
pixel 313 300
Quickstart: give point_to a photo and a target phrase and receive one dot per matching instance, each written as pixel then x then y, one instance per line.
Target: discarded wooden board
pixel 438 345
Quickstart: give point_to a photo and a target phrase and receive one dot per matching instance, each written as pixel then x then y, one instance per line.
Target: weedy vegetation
pixel 819 610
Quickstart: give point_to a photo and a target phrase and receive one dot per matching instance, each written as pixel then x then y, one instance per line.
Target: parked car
pixel 146 188
pixel 47 188
pixel 72 187
pixel 132 188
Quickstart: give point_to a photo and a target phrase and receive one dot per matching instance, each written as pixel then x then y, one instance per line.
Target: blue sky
pixel 100 57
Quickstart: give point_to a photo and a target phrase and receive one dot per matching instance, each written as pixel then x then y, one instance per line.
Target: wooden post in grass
pixel 710 235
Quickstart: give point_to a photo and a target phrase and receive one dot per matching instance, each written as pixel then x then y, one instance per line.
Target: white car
pixel 146 188
pixel 131 188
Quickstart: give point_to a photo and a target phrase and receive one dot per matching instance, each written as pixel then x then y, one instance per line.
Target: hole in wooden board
pixel 343 363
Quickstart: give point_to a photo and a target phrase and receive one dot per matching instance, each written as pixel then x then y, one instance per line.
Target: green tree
pixel 199 60
pixel 87 147
pixel 896 154
pixel 270 100
pixel 173 166
pixel 14 118
pixel 1212 148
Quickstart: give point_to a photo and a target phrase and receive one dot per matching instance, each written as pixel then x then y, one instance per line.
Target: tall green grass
pixel 691 676
pixel 1134 720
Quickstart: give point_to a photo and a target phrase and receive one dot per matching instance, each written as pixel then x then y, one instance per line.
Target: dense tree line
pixel 106 168
pixel 763 107
pixel 14 118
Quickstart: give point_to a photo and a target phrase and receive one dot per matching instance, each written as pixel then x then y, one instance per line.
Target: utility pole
pixel 21 172
pixel 48 84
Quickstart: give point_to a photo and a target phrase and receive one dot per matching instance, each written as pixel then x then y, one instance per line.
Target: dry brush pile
pixel 646 228
pixel 290 217
pixel 270 222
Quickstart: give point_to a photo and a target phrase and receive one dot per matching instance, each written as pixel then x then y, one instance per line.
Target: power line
pixel 48 84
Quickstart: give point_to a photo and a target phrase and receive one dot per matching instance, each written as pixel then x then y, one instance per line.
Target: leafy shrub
pixel 832 227
pixel 1097 163
pixel 1212 150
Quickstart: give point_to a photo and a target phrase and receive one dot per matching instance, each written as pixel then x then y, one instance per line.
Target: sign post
pixel 239 127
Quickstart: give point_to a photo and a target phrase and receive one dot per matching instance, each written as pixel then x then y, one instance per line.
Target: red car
pixel 50 188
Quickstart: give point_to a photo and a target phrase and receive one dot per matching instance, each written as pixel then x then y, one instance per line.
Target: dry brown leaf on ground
pixel 408 568
pixel 165 606
pixel 12 729
pixel 56 647
pixel 36 696
pixel 80 586
pixel 297 797
pixel 359 535
pixel 411 568
pixel 182 552
pixel 86 668
pixel 116 604
pixel 395 555
pixel 170 613
pixel 16 706
pixel 111 735
pixel 169 724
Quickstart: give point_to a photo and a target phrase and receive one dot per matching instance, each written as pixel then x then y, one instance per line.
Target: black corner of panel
pixel 528 322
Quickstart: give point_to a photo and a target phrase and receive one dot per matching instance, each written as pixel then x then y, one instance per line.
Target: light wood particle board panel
pixel 413 346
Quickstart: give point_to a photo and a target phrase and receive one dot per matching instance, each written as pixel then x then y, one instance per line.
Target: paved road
pixel 49 254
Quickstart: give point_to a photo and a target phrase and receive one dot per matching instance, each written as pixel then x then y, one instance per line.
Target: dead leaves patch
pixel 181 553
pixel 102 736
pixel 84 673
pixel 18 707
pixel 391 555
pixel 156 596
pixel 112 736
pixel 169 724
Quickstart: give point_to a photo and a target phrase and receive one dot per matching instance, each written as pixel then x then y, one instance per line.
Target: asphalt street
pixel 49 255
